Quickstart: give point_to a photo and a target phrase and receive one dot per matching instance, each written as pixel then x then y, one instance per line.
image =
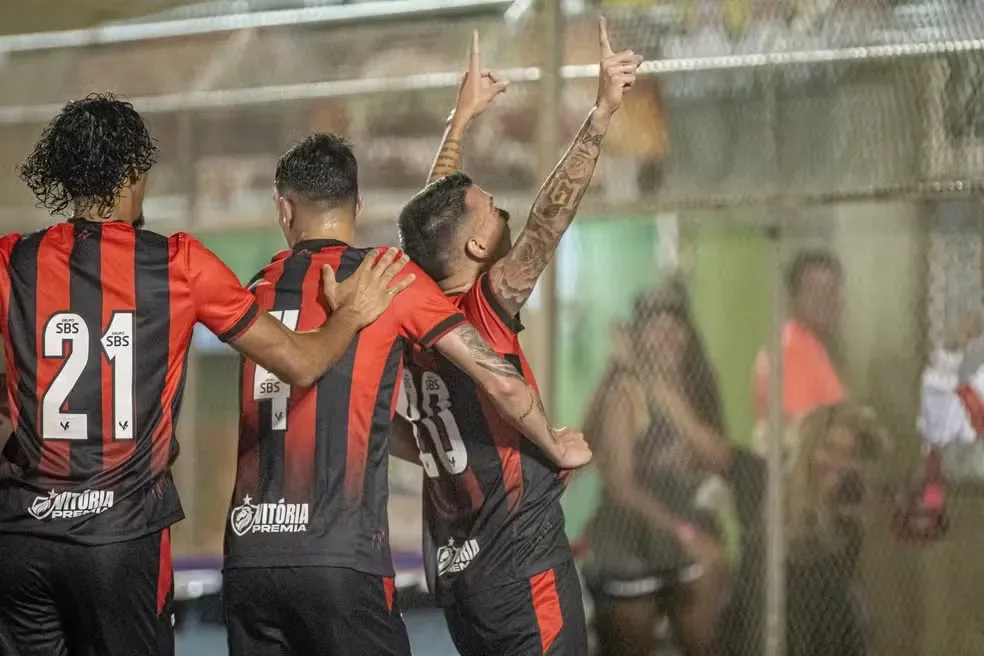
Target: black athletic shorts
pixel 301 611
pixel 543 615
pixel 59 598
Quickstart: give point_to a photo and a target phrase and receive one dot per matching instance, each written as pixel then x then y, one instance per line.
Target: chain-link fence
pixel 770 292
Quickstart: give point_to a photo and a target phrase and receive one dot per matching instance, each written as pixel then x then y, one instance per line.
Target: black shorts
pixel 115 599
pixel 296 611
pixel 544 615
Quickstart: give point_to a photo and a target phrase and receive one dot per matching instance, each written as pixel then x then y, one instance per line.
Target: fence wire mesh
pixel 828 133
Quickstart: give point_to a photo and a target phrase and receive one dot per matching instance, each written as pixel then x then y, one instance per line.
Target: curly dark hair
pixel 87 154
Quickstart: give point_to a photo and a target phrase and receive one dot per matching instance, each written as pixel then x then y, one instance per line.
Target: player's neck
pixel 95 214
pixel 457 283
pixel 338 230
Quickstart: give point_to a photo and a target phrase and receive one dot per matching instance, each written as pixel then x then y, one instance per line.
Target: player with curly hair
pixel 96 317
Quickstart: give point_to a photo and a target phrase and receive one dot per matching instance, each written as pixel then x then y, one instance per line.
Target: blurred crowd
pixel 679 532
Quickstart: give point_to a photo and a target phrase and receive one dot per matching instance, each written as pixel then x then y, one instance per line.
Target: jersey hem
pixel 443 328
pixel 245 323
pixel 459 591
pixel 301 560
pixel 94 540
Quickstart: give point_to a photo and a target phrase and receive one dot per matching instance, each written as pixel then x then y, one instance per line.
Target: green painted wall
pixel 604 264
pixel 732 303
pixel 245 251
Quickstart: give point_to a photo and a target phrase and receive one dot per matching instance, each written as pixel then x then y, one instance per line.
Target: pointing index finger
pixel 474 57
pixel 606 45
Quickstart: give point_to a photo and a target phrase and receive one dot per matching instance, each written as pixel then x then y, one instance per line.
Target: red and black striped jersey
pixel 312 478
pixel 492 509
pixel 96 320
pixel 5 425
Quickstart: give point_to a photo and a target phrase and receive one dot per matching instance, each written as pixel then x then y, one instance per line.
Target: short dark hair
pixel 322 169
pixel 88 153
pixel 806 261
pixel 429 222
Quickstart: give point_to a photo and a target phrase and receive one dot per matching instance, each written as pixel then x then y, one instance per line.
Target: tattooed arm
pixel 514 399
pixel 449 156
pixel 479 87
pixel 515 275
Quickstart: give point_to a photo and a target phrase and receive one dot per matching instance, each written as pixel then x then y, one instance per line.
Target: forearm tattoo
pixel 484 356
pixel 514 277
pixel 448 159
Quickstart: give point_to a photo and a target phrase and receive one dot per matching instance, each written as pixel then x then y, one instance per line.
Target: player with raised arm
pixel 307 556
pixel 498 559
pixel 96 316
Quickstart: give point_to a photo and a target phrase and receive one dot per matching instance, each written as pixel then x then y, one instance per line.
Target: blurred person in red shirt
pixel 814 281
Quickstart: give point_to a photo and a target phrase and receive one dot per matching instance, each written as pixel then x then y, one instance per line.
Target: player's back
pixel 491 498
pixel 312 478
pixel 96 320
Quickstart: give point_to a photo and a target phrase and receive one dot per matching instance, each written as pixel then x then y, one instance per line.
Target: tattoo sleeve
pixel 483 354
pixel 514 277
pixel 449 156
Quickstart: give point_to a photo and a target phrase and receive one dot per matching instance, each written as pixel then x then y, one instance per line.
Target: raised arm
pixel 478 89
pixel 514 399
pixel 711 447
pixel 302 358
pixel 514 277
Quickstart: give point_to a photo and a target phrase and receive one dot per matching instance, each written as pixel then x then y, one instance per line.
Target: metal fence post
pixel 775 546
pixel 551 17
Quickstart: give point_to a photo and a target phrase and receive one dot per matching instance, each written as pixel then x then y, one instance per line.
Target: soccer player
pixel 308 568
pixel 497 555
pixel 96 317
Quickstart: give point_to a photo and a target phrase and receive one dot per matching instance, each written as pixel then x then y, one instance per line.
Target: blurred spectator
pixel 951 413
pixel 814 282
pixel 825 494
pixel 656 426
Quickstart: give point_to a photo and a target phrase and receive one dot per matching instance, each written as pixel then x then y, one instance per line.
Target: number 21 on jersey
pixel 71 330
pixel 267 387
pixel 434 427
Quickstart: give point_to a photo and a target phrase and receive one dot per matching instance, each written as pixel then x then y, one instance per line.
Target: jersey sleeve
pixel 7 243
pixel 483 309
pixel 423 312
pixel 221 303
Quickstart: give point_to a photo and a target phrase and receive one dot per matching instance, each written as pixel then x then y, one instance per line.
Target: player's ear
pixel 360 202
pixel 285 214
pixel 477 250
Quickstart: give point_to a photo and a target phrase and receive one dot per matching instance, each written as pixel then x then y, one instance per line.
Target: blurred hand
pixel 574 448
pixel 617 72
pixel 665 393
pixel 479 87
pixel 702 548
pixel 367 292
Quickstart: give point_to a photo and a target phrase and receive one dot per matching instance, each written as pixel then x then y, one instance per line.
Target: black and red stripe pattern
pixel 311 483
pixel 491 498
pixel 96 324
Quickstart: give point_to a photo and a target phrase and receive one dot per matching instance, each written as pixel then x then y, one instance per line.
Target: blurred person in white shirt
pixel 951 415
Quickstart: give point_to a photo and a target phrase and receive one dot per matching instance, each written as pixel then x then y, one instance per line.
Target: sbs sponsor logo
pixel 280 517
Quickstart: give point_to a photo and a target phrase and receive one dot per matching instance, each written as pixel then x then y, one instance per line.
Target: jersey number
pixel 430 412
pixel 267 387
pixel 117 345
